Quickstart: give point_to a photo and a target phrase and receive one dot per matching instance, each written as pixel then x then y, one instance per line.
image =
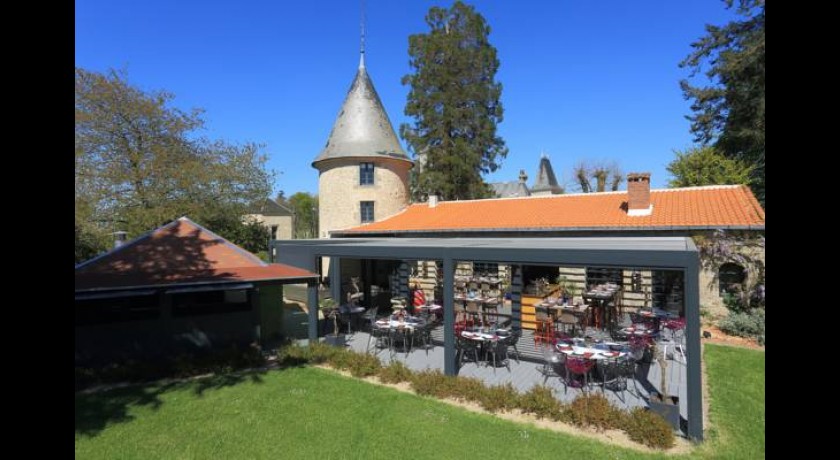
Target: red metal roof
pixel 181 252
pixel 720 206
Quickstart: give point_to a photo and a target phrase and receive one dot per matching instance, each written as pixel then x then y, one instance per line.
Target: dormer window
pixel 366 174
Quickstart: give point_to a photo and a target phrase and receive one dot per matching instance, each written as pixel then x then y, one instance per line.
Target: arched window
pixel 731 277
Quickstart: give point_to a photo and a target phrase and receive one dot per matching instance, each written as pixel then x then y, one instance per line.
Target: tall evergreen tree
pixel 455 102
pixel 729 112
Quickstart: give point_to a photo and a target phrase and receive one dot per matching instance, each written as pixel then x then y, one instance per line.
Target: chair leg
pixel 367 348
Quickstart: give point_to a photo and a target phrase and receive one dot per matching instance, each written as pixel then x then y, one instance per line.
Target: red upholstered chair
pixel 676 326
pixel 577 372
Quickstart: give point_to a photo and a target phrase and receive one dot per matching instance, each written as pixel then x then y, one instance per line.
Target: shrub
pixel 468 389
pixel 734 303
pixel 649 429
pixel 499 397
pixel 395 372
pixel 744 324
pixel 363 365
pixel 541 402
pixel 432 383
pixel 293 355
pixel 595 410
pixel 320 353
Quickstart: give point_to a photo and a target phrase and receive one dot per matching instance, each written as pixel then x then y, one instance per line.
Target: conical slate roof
pixel 546 181
pixel 362 129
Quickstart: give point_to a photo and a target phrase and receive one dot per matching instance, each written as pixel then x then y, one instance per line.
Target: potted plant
pixel 330 312
pixel 667 406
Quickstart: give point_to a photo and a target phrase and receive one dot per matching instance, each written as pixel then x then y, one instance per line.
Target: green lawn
pixel 312 413
pixel 736 381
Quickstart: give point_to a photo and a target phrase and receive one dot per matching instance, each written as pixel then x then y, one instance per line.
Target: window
pixel 366 210
pixel 731 278
pixel 210 302
pixel 117 309
pixel 366 174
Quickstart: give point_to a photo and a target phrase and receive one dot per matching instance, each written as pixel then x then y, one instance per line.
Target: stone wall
pixel 339 192
pixel 284 224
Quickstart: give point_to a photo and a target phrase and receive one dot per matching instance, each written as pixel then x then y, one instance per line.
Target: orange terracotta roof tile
pixel 180 252
pixel 721 206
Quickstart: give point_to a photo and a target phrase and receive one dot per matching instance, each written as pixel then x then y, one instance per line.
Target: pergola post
pixel 516 297
pixel 312 303
pixel 335 280
pixel 694 404
pixel 449 367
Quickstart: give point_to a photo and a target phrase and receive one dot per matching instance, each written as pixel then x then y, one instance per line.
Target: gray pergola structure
pixel 653 253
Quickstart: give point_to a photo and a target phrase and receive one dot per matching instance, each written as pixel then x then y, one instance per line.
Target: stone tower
pixel 363 169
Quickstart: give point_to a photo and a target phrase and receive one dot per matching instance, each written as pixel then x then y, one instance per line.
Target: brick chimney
pixel 638 194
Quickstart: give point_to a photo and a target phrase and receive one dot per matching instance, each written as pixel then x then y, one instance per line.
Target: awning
pixel 211 287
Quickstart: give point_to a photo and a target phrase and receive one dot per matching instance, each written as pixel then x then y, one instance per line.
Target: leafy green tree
pixel 729 111
pixel 139 163
pixel 705 166
pixel 455 102
pixel 251 235
pixel 305 207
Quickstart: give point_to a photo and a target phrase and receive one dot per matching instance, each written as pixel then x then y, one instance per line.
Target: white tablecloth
pixel 580 352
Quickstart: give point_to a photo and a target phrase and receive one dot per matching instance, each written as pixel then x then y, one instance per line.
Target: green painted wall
pixel 271 311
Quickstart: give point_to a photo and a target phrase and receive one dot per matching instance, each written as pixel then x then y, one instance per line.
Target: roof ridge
pixel 149 233
pixel 698 187
pixel 561 195
pixel 225 241
pixel 127 244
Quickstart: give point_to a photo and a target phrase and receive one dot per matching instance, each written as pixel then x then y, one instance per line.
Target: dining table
pixel 589 352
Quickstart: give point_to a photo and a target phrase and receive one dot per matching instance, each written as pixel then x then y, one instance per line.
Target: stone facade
pixel 426 276
pixel 282 225
pixel 339 192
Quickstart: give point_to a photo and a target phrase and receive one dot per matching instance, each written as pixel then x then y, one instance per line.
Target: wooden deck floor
pixel 526 373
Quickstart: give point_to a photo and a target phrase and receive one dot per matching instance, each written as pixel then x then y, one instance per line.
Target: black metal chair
pixel 369 319
pixel 512 340
pixel 399 335
pixel 553 363
pixel 499 350
pixel 467 347
pixel 380 338
pixel 614 373
pixel 422 335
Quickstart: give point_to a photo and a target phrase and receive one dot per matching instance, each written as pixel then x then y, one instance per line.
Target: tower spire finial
pixel 362 37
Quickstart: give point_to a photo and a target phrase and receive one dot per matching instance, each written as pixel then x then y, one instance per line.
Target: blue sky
pixel 582 80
